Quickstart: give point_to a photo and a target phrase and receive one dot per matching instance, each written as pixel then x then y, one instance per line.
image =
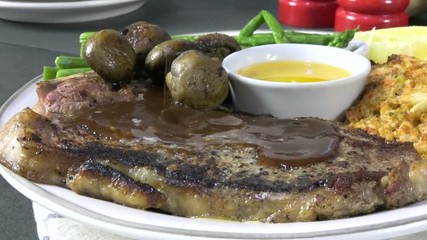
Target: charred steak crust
pixel 122 188
pixel 148 154
pixel 208 174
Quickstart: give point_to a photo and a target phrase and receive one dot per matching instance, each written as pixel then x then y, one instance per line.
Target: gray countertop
pixel 25 48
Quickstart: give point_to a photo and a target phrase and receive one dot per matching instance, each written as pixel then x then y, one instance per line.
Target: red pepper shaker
pixel 308 13
pixel 369 14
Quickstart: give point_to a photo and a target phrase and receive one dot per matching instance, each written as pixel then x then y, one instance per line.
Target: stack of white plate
pixel 65 11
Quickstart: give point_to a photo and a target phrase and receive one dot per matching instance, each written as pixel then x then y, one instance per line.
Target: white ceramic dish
pixel 66 11
pixel 147 225
pixel 326 99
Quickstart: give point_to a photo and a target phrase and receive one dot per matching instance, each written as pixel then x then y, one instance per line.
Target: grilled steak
pixel 147 152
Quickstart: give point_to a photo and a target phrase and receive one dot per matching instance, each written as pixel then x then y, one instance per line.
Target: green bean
pixel 82 40
pixel 85 36
pixel 256 39
pixel 257 21
pixel 71 71
pixel 275 27
pixel 262 39
pixel 70 62
pixel 252 25
pixel 247 36
pixel 82 49
pixel 342 39
pixel 49 72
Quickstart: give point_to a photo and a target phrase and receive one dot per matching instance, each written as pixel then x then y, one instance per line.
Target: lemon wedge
pixel 382 43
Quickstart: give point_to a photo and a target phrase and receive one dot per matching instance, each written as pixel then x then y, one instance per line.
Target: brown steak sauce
pixel 156 119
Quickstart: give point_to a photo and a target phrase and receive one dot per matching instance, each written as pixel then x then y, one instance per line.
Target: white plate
pixel 146 225
pixel 66 11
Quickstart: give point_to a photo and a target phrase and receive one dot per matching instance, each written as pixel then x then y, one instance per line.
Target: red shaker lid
pixel 374 6
pixel 308 13
pixel 345 20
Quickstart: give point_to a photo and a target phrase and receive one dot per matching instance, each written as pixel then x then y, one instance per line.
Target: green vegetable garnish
pixel 49 72
pixel 71 71
pixel 247 37
pixel 65 62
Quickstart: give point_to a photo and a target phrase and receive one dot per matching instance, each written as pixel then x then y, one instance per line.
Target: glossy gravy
pixel 294 71
pixel 156 119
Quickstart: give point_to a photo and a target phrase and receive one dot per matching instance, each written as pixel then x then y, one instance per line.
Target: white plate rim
pixel 392 223
pixel 61 5
pixel 66 12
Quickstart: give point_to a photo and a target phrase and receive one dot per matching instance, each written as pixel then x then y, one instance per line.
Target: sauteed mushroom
pixel 197 80
pixel 217 45
pixel 143 37
pixel 110 55
pixel 159 59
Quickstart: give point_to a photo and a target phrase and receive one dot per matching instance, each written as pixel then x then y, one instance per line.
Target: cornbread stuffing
pixel 394 103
